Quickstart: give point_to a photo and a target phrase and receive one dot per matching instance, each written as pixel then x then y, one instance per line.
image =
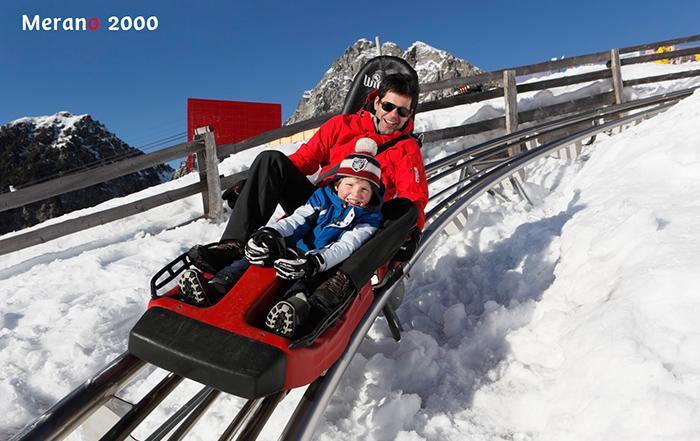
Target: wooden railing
pixel 99 175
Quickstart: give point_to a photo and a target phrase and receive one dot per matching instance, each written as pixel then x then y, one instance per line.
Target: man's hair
pixel 400 84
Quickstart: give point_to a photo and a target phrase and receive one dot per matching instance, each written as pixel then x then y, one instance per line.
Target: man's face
pixel 391 121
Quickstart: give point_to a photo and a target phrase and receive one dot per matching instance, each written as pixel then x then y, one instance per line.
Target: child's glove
pixel 303 267
pixel 264 247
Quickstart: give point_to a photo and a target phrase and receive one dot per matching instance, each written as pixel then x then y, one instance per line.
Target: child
pixel 336 220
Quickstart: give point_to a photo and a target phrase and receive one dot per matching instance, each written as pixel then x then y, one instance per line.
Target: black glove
pixel 302 267
pixel 231 195
pixel 409 247
pixel 264 247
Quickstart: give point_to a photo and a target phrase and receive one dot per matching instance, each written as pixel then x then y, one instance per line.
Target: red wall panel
pixel 232 120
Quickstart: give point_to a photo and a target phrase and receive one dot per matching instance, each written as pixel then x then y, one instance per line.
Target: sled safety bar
pixel 170 271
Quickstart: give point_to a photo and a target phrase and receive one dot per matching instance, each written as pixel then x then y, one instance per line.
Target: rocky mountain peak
pixel 431 64
pixel 39 148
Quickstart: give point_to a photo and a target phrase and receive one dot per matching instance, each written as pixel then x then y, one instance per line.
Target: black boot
pixel 196 290
pixel 287 316
pixel 212 258
pixel 332 293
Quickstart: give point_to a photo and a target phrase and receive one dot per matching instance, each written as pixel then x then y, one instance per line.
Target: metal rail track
pixel 65 416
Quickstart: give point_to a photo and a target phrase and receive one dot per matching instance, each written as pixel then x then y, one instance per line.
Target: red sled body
pixel 226 345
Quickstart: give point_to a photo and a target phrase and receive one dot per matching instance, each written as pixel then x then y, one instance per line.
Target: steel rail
pixel 195 415
pixel 246 411
pixel 485 180
pixel 175 419
pixel 525 134
pixel 142 409
pixel 257 420
pixel 66 415
pixel 480 153
pixel 306 416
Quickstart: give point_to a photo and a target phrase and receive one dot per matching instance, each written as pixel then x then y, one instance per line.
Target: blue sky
pixel 137 83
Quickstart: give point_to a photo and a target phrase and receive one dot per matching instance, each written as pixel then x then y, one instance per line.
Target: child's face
pixel 354 191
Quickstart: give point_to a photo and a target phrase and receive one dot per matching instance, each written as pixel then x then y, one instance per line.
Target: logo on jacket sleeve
pixel 359 164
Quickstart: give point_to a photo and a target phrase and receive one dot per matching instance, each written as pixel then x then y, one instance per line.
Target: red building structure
pixel 232 121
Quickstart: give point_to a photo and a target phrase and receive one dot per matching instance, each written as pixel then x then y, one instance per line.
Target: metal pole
pixel 249 407
pixel 178 416
pixel 142 409
pixel 258 419
pixel 196 414
pixel 66 415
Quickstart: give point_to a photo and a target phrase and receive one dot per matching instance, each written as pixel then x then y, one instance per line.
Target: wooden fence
pixel 610 62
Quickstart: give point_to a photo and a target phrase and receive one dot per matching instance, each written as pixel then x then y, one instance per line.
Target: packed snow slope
pixel 573 319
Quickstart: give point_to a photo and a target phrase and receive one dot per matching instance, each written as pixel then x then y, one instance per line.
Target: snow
pixel 572 319
pixel 471 113
pixel 62 118
pixel 62 121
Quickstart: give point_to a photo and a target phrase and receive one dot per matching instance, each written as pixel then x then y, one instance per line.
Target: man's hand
pixel 231 195
pixel 264 247
pixel 300 268
pixel 409 247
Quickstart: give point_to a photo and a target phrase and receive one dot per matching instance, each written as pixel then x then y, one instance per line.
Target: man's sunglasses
pixel 389 107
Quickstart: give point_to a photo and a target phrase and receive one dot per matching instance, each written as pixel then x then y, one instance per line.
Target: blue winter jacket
pixel 325 225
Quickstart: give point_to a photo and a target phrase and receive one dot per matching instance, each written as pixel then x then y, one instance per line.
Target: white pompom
pixel 366 145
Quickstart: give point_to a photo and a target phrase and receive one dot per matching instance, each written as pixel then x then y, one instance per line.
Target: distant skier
pixel 336 220
pixel 275 178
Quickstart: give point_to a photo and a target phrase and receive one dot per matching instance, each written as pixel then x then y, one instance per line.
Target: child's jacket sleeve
pixel 297 224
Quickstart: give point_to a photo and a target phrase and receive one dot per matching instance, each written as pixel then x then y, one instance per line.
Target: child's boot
pixel 288 315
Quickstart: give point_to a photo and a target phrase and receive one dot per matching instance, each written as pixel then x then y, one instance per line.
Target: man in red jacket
pixel 275 178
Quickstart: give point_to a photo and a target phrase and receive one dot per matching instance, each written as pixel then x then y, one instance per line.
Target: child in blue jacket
pixel 336 220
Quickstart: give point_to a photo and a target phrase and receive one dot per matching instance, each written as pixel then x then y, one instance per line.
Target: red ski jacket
pixel 402 164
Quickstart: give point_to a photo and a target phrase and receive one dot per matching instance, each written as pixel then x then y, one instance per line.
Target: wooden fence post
pixel 510 93
pixel 209 172
pixel 616 75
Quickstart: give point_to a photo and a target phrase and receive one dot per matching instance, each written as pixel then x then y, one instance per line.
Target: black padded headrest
pixel 369 77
